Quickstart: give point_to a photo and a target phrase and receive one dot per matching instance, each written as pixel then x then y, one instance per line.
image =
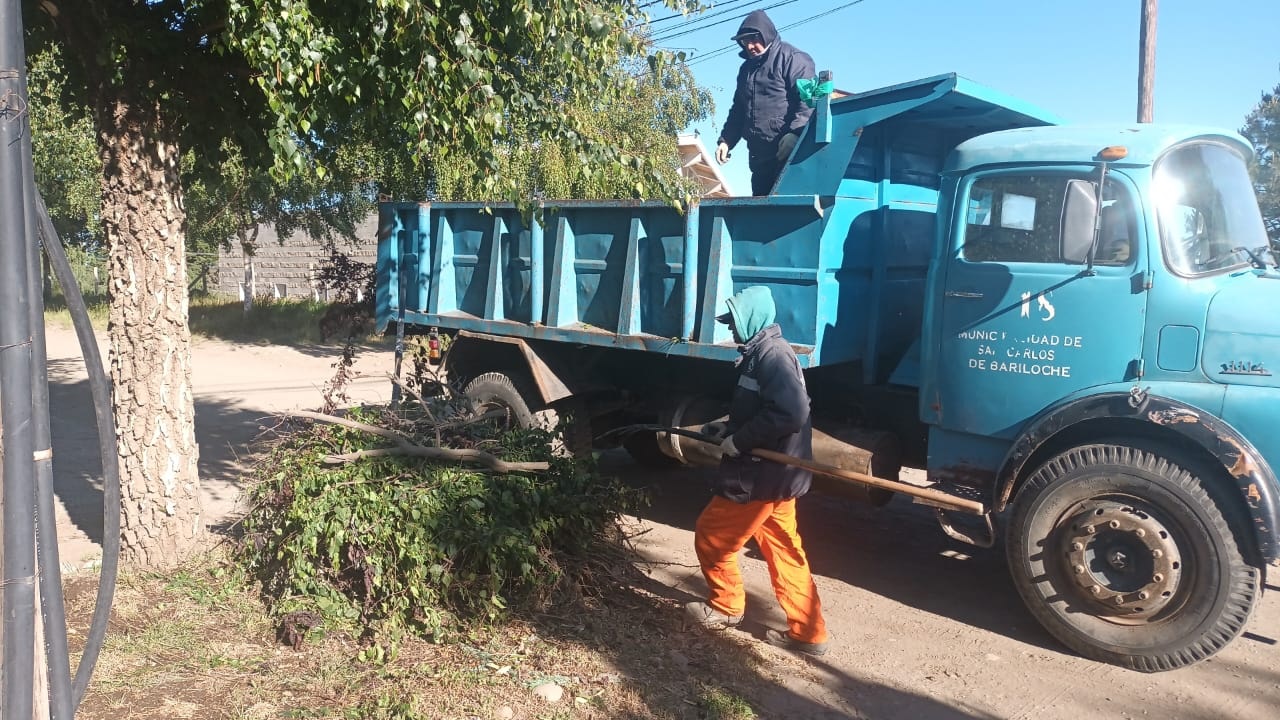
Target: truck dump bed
pixel 843 243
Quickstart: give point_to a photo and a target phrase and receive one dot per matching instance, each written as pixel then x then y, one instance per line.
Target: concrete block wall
pixel 287 269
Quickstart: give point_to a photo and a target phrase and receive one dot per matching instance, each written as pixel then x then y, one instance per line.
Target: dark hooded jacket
pixel 766 103
pixel 769 409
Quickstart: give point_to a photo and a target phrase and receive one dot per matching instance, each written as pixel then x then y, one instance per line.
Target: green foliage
pixel 67 166
pixel 1262 128
pixel 716 703
pixel 452 77
pixel 397 704
pixel 234 199
pixel 643 124
pixel 477 102
pixel 399 543
pixel 83 263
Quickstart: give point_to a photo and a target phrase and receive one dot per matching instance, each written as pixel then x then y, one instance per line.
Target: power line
pixel 671 35
pixel 713 11
pixel 722 50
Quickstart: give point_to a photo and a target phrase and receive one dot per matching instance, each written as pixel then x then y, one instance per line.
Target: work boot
pixel 778 638
pixel 710 618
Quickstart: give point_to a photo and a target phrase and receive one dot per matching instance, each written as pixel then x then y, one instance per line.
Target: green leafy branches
pixel 455 78
pixel 65 153
pixel 637 131
pixel 1262 129
pixel 403 544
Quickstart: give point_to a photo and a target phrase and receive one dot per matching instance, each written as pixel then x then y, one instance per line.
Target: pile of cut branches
pixel 421 517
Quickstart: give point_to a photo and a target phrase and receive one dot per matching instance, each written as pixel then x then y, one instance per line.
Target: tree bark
pixel 249 287
pixel 150 357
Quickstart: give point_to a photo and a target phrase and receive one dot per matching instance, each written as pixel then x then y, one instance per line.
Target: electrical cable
pixel 48 564
pixel 710 55
pixel 671 35
pixel 713 11
pixel 100 387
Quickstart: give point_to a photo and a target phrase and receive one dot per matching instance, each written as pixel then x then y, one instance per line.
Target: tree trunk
pixel 249 249
pixel 150 356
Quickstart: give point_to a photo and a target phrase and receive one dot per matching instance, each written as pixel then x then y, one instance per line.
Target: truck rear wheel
pixel 499 393
pixel 495 392
pixel 1124 556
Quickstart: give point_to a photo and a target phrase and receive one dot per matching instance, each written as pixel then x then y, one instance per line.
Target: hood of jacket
pixel 757 22
pixel 752 310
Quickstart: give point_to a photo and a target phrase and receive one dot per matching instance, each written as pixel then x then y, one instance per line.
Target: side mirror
pixel 1079 218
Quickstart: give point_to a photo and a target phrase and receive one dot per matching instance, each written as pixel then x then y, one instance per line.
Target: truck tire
pixel 1123 555
pixel 497 391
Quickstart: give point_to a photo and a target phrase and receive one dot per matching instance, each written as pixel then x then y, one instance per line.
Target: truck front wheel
pixel 1123 555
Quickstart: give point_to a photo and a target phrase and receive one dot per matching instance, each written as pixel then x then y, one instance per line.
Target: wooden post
pixel 40 682
pixel 1147 61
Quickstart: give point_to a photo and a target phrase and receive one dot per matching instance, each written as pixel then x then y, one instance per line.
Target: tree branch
pixel 353 424
pixel 406 447
pixel 411 393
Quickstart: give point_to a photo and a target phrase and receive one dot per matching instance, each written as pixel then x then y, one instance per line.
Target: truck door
pixel 1022 324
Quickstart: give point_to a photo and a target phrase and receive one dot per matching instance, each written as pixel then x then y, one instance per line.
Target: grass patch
pixel 720 704
pixel 56 312
pixel 281 322
pixel 270 321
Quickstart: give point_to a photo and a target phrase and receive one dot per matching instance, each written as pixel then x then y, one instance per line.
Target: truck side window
pixel 1017 218
pixel 1115 239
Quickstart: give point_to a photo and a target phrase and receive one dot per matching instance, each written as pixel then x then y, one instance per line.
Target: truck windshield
pixel 1206 209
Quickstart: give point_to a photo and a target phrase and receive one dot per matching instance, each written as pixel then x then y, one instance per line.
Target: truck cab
pixel 1102 350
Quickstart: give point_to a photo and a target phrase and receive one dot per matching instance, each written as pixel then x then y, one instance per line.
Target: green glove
pixel 811 90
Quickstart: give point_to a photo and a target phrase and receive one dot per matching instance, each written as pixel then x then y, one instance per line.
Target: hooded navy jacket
pixel 769 409
pixel 766 103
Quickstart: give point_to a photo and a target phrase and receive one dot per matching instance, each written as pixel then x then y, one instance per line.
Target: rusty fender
pixel 1253 477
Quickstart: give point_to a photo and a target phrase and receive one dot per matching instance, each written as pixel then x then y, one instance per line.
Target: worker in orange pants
pixel 755 498
pixel 724 528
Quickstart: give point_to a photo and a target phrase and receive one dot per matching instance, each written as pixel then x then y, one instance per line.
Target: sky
pixel 1077 59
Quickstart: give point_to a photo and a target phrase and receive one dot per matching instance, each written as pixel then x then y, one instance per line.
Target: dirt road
pixel 237 389
pixel 924 627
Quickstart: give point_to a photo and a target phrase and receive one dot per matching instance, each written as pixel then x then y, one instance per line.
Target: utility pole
pixel 1147 60
pixel 17 673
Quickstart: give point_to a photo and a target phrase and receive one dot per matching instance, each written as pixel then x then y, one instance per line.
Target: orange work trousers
pixel 725 526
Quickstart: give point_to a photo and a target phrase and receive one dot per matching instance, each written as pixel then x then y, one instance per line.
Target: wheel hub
pixel 1122 559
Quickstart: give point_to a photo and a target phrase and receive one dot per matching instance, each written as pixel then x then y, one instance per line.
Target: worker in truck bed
pixel 767 111
pixel 755 498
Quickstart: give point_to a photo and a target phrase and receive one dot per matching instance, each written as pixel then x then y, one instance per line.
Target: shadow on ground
pixel 309 347
pixel 640 630
pixel 897 551
pixel 223 433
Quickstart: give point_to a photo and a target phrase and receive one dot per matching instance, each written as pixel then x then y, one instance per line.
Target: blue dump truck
pixel 1072 329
